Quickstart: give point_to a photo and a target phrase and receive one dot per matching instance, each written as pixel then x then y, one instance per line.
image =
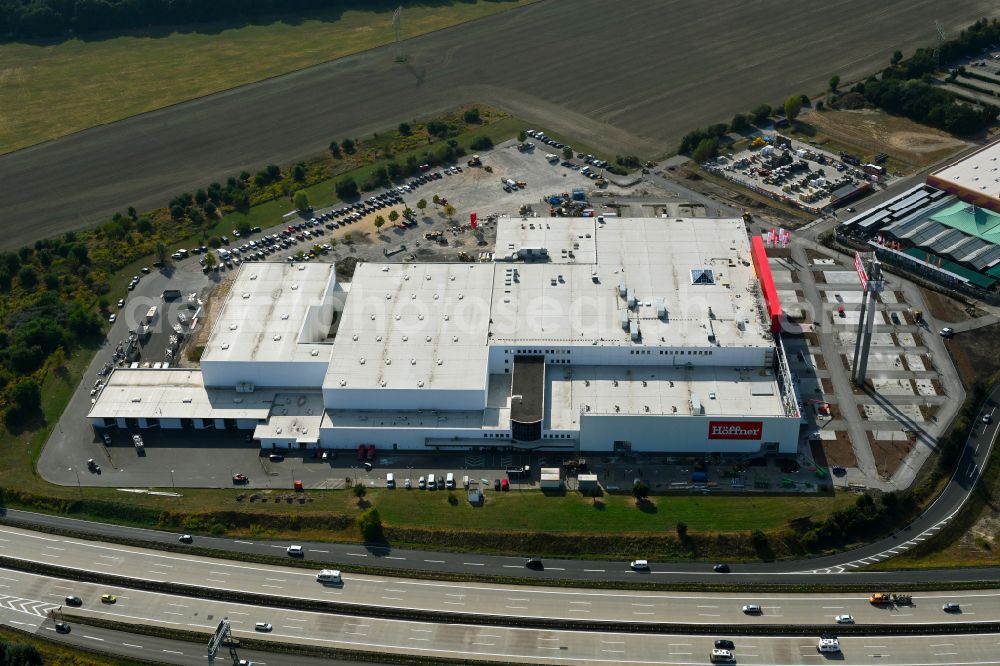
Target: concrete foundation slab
pixel 893 386
pixel 925 387
pixel 915 363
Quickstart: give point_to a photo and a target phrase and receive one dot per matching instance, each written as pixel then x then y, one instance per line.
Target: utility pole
pixel 397 29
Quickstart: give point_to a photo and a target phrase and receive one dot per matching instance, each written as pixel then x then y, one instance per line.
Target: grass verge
pixel 54 653
pixel 54 89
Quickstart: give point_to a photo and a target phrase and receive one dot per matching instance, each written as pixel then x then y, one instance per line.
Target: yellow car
pixel 108 598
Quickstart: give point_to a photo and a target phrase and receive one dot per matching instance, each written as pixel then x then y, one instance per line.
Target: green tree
pixel 360 490
pixel 761 113
pixel 471 116
pixel 335 149
pixel 28 277
pixel 346 188
pixel 57 359
pixel 705 150
pixel 405 129
pixel 437 128
pixel 370 525
pixel 161 252
pixel 348 146
pixel 682 531
pixel 793 105
pixel 299 172
pixel 567 153
pixel 834 82
pixel 210 260
pixel 640 490
pixel 301 201
pixel 422 204
pixel 407 212
pixel 739 123
pixel 244 228
pixel 393 215
pixel 449 210
pixel 897 57
pixel 436 198
pixel 522 136
pixel 27 395
pixel 379 222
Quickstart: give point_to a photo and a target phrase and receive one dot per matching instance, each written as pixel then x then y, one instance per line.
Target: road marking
pixel 390 590
pixel 556 568
pixel 644 605
pixel 219 573
pixel 393 598
pixel 516 599
pixel 93 638
pixel 172 613
pixel 172 652
pixel 214 580
pixel 250 543
pixel 489 636
pixel 511 566
pixel 709 614
pixel 594 570
pixel 944 654
pixel 516 607
pixel 643 613
pixel 452 594
pixel 179 605
pixel 388 557
pixel 160 564
pixel 414 638
pixel 614 651
pixel 357 554
pixel 16 622
pixel 478 643
pixel 421 631
pixel 276 587
pixel 131 645
pixel 580 602
pixel 474 564
pixel 54 548
pixel 867 647
pixel 833 607
pixel 286 626
pixel 276 580
pixel 455 603
pixel 435 561
pixel 316 550
pixel 942 645
pixel 356 633
pixel 292 619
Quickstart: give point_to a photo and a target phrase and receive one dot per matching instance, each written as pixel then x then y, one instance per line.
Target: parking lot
pixel 796 173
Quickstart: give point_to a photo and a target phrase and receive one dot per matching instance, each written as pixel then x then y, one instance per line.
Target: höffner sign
pixel 735 429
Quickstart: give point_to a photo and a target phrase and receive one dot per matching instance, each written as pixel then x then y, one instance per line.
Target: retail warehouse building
pixel 593 334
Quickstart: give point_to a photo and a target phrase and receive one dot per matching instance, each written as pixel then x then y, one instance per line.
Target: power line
pixel 397 29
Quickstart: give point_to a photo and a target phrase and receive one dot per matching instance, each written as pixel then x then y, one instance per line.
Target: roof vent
pixel 406 278
pixel 388 296
pixel 378 338
pixel 420 384
pixel 294 287
pixel 435 297
pixel 413 297
pixel 186 401
pixel 427 277
pixel 246 294
pixel 460 297
pixel 355 337
pixel 284 316
pixel 302 267
pixel 427 339
pixel 413 361
pixel 388 361
pixel 385 269
pixel 314 352
pixel 233 327
pixel 253 276
pixel 440 362
pixel 420 317
pixel 397 317
pixel 405 338
pixel 446 317
pixel 137 399
pixel 454 338
pixel 276 337
pixel 452 278
pixel 362 360
pixel 373 317
pixel 343 382
pixel 382 383
pixel 225 345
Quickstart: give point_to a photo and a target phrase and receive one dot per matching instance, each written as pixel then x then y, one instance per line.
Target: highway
pixel 27 599
pixel 286 585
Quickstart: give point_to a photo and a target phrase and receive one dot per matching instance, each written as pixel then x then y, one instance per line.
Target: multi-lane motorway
pixel 26 599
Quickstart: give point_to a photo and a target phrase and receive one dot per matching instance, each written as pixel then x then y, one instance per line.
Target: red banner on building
pixel 472 220
pixel 735 429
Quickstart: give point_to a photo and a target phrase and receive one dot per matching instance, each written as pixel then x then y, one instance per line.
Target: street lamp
pixel 172 479
pixel 78 484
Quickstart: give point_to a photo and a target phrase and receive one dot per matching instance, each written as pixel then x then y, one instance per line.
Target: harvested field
pixel 676 72
pixel 944 308
pixel 836 452
pixel 975 353
pixel 889 454
pixel 869 131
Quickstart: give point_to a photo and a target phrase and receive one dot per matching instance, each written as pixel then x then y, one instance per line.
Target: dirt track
pixel 627 77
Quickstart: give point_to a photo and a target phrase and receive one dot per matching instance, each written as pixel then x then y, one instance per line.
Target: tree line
pixel 26 19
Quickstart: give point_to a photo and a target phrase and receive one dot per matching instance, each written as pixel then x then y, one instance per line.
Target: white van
pixel 329 576
pixel 431 482
pixel 722 657
pixel 449 481
pixel 390 480
pixel 828 645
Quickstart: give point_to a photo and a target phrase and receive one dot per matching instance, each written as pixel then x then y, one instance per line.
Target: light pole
pixel 78 484
pixel 172 480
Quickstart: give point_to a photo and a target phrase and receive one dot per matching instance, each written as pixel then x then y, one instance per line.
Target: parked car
pixel 240 478
pixel 947 332
pixel 504 484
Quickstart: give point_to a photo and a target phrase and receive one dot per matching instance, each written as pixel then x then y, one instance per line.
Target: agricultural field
pixel 50 90
pixel 680 68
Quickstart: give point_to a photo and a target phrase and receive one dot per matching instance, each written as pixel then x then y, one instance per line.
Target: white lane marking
pixel 316 550
pixel 276 580
pixel 474 564
pixel 249 543
pixel 131 645
pixel 594 570
pixel 435 561
pixel 357 554
pixel 389 557
pixel 93 638
pixel 172 651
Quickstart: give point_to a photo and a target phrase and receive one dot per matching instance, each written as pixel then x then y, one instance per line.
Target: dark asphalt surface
pixel 828 570
pixel 625 78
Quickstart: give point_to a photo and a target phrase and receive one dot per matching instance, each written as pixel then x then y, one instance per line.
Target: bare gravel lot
pixel 625 77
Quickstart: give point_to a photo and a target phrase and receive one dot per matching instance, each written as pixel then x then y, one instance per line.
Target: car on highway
pixel 185 538
pixel 830 644
pixel 295 551
pixel 244 662
pixel 951 607
pixel 721 568
pixel 112 318
pixel 725 644
pixel 74 601
pixel 987 418
pixel 719 656
pixel 844 619
pixel 752 609
pixel 262 626
pixel 108 599
pixel 534 563
pixel 62 627
pixel 947 332
pixel 639 565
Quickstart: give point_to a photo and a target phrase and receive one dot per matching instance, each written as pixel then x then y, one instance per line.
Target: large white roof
pixel 574 297
pixel 413 326
pixel 978 172
pixel 264 315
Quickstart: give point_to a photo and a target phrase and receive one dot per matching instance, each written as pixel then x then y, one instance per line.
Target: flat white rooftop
pixel 979 172
pixel 414 326
pixel 657 390
pixel 696 271
pixel 264 317
pixel 174 394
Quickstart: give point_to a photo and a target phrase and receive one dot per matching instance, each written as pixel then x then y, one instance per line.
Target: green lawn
pixel 532 511
pixel 52 90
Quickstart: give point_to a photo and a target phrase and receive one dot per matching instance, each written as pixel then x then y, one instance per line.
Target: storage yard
pixel 637 99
